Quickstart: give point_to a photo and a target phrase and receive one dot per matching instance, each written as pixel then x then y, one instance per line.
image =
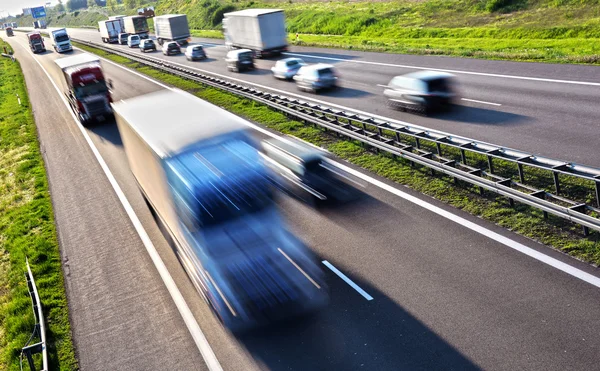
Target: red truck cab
pixel 9 31
pixel 88 91
pixel 36 42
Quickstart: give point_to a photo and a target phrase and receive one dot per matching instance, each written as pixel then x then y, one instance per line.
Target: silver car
pixel 287 68
pixel 316 77
pixel 195 52
pixel 422 91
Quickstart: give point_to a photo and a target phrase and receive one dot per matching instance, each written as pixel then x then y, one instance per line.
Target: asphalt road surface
pixel 556 118
pixel 443 296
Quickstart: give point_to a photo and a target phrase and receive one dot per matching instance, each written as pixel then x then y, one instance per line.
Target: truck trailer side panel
pixel 272 29
pixel 172 27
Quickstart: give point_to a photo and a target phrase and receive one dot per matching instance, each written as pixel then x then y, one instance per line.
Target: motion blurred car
pixel 316 77
pixel 171 48
pixel 302 171
pixel 240 60
pixel 195 52
pixel 287 68
pixel 133 41
pixel 146 45
pixel 423 91
pixel 123 38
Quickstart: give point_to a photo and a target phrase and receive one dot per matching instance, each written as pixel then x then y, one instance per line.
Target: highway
pixel 546 109
pixel 444 294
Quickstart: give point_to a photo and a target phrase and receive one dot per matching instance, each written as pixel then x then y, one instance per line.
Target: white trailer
pixel 172 27
pixel 136 25
pixel 260 30
pixel 110 30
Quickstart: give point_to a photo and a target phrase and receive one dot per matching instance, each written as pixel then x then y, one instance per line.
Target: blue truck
pixel 200 171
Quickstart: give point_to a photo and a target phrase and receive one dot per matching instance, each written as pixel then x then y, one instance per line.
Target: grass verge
pixel 522 219
pixel 27 230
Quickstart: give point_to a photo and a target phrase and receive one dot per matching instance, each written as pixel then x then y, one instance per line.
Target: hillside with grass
pixel 564 31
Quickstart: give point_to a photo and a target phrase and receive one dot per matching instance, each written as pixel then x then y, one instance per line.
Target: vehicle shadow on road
pixel 317 57
pixel 481 116
pixel 354 334
pixel 343 92
pixel 107 131
pixel 258 72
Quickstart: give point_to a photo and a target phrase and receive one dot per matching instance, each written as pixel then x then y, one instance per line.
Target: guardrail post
pixel 463 156
pixel 490 164
pixel 556 183
pixel 598 194
pixel 418 142
pixel 439 148
pixel 521 174
pixel 586 231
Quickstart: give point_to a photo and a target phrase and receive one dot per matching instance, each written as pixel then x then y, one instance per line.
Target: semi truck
pixel 9 31
pixel 120 19
pixel 61 41
pixel 136 25
pixel 209 190
pixel 260 30
pixel 88 91
pixel 172 27
pixel 110 30
pixel 39 24
pixel 14 25
pixel 36 42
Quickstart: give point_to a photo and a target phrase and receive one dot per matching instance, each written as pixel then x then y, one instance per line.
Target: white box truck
pixel 120 18
pixel 110 30
pixel 199 170
pixel 172 27
pixel 260 30
pixel 136 25
pixel 61 41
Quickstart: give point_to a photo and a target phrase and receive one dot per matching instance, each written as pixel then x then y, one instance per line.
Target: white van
pixel 133 41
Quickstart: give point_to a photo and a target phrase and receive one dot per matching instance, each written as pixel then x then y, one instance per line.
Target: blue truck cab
pixel 203 176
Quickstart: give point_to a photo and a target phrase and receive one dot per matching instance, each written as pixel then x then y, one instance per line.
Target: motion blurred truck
pixel 172 27
pixel 260 30
pixel 88 90
pixel 136 25
pixel 204 179
pixel 36 42
pixel 39 24
pixel 9 31
pixel 110 30
pixel 61 41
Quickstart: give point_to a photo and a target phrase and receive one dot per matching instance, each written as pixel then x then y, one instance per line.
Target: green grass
pixel 27 230
pixel 557 31
pixel 522 219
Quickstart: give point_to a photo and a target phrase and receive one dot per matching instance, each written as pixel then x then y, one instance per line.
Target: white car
pixel 133 41
pixel 287 68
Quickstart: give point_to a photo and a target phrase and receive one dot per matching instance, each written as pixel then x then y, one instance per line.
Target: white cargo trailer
pixel 260 30
pixel 110 30
pixel 136 25
pixel 172 27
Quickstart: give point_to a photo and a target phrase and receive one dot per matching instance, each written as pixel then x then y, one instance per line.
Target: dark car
pixel 171 48
pixel 303 172
pixel 423 91
pixel 240 60
pixel 147 45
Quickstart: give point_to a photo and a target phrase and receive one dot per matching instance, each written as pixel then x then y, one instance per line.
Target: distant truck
pixel 39 24
pixel 204 179
pixel 88 91
pixel 120 18
pixel 136 25
pixel 110 30
pixel 14 25
pixel 172 27
pixel 36 42
pixel 61 41
pixel 9 31
pixel 260 30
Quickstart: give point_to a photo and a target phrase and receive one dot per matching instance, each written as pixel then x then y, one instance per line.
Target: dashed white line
pixel 564 267
pixel 347 280
pixel 188 317
pixel 481 101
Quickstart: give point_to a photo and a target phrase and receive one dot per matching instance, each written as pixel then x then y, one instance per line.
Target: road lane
pixel 444 297
pixel 546 118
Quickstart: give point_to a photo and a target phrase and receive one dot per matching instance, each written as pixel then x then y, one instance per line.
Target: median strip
pixel 521 218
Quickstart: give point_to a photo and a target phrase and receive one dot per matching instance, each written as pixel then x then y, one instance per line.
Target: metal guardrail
pixel 39 329
pixel 389 136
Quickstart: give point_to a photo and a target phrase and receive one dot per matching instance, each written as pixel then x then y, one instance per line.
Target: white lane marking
pixel 593 280
pixel 347 280
pixel 203 346
pixel 300 269
pixel 480 101
pixel 448 70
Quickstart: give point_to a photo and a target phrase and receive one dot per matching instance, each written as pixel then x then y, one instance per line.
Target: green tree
pixel 60 7
pixel 91 3
pixel 111 4
pixel 131 4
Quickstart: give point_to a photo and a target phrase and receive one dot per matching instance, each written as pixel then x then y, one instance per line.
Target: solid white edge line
pixel 591 279
pixel 347 280
pixel 201 342
pixel 480 101
pixel 448 70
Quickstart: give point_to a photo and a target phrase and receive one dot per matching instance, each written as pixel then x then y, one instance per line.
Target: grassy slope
pixel 521 219
pixel 27 229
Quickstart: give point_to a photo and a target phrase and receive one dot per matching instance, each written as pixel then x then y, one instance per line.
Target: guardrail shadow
pixel 481 116
pixel 354 334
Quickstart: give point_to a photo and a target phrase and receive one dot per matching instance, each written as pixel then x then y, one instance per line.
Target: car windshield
pixel 440 85
pixel 61 38
pixel 292 63
pixel 197 48
pixel 245 56
pixel 325 71
pixel 172 46
pixel 98 87
pixel 135 38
